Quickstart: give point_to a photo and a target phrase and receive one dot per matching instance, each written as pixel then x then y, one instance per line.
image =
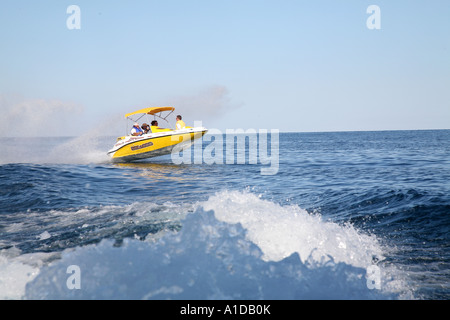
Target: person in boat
pixel 180 123
pixel 154 126
pixel 146 128
pixel 136 130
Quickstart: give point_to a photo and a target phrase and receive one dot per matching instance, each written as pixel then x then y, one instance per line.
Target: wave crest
pixel 210 258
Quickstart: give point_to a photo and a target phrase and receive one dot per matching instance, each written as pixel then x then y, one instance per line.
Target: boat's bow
pixel 132 148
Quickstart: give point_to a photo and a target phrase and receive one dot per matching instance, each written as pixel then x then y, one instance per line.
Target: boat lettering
pixel 145 145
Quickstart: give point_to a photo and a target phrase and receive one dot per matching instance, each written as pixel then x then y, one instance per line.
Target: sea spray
pixel 206 259
pixel 89 147
pixel 282 230
pixel 14 275
pixel 84 149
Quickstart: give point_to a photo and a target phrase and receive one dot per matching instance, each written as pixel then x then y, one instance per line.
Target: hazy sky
pixel 287 64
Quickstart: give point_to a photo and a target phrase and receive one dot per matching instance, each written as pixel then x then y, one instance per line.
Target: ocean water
pixel 347 215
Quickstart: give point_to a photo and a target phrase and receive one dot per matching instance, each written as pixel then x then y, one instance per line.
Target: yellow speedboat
pixel 157 142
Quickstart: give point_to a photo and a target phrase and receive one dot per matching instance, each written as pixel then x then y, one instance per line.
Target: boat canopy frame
pixel 154 111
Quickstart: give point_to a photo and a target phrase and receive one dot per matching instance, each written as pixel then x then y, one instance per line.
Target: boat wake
pixel 234 246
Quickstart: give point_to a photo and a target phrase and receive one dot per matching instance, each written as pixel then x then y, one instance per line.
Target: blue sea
pixel 343 215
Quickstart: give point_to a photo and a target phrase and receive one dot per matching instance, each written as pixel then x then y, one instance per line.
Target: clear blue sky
pixel 287 64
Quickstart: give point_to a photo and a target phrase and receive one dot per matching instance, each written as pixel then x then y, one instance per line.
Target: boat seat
pixel 155 129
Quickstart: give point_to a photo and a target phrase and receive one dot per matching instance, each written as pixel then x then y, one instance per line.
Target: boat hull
pixel 152 145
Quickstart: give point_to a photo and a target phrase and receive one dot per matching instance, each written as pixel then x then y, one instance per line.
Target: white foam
pixel 283 230
pixel 246 248
pixel 235 245
pixel 14 275
pixel 44 236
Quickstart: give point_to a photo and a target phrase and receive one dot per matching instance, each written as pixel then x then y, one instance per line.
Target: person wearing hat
pixel 145 127
pixel 136 130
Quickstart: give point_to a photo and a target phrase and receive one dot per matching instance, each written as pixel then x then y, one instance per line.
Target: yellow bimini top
pixel 152 111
